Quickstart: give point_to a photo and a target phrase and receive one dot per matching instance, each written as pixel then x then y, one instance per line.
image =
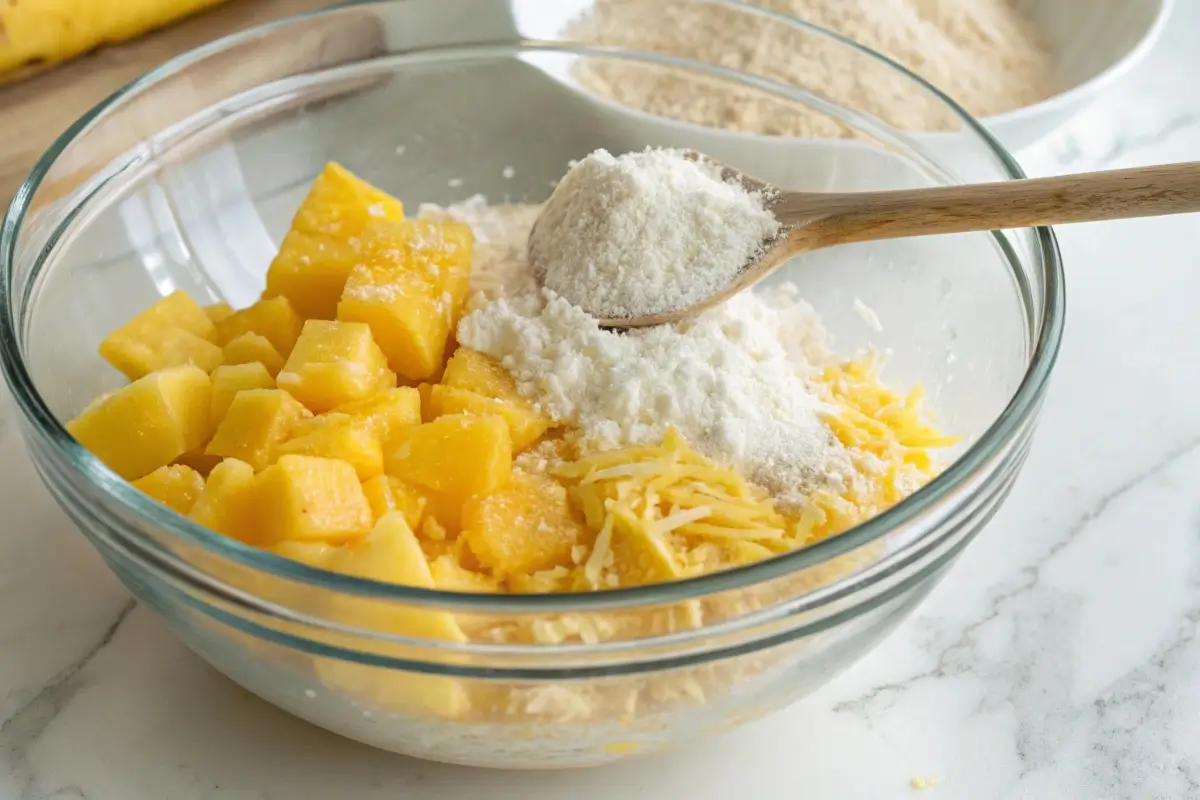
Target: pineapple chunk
pixel 335 363
pixel 457 456
pixel 386 493
pixel 342 204
pixel 308 498
pixel 149 423
pixel 250 348
pixel 176 487
pixel 227 504
pixel 230 379
pixel 310 270
pixel 176 310
pixel 258 421
pixel 338 436
pixel 391 553
pixel 218 311
pixel 313 554
pixel 272 319
pixel 388 412
pixel 472 370
pixel 450 576
pixel 172 332
pixel 410 288
pixel 138 354
pixel 525 425
pixel 523 528
pixel 325 241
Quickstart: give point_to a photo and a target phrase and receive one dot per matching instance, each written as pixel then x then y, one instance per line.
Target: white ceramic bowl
pixel 1094 43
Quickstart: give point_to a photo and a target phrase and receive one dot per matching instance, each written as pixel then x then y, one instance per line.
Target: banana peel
pixel 37 34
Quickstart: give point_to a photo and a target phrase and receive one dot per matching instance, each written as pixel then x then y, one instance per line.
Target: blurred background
pixel 58 59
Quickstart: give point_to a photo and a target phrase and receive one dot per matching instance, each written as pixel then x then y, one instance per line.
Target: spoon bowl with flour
pixel 652 237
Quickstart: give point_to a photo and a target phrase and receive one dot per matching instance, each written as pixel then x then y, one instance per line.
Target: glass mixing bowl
pixel 187 179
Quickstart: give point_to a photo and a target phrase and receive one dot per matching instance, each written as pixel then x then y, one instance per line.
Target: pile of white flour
pixel 643 233
pixel 733 381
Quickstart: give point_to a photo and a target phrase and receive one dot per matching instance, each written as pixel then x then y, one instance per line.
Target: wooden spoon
pixel 812 220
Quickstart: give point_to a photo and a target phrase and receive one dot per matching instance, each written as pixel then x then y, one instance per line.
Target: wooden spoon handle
pixel 828 219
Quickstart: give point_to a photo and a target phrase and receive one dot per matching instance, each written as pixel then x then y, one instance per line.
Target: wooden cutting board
pixel 34 112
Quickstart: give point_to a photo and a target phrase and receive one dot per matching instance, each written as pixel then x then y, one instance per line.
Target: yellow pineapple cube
pixel 148 351
pixel 391 553
pixel 335 363
pixel 176 310
pixel 149 423
pixel 472 370
pixel 257 423
pixel 218 311
pixel 230 379
pixel 457 456
pixel 525 425
pixel 310 271
pixel 525 527
pixel 410 288
pixel 176 487
pixel 227 504
pixel 339 203
pixel 388 412
pixel 451 576
pixel 326 241
pixel 313 554
pixel 250 348
pixel 308 498
pixel 338 436
pixel 386 493
pixel 172 332
pixel 272 319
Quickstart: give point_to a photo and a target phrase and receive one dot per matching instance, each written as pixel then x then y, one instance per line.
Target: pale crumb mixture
pixel 983 53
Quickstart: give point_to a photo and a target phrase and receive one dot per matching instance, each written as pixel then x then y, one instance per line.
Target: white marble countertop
pixel 1060 659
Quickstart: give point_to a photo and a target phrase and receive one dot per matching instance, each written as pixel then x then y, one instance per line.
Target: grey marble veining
pixel 1060 659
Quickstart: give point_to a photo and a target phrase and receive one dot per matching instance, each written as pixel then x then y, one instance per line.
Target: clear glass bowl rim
pixel 1021 407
